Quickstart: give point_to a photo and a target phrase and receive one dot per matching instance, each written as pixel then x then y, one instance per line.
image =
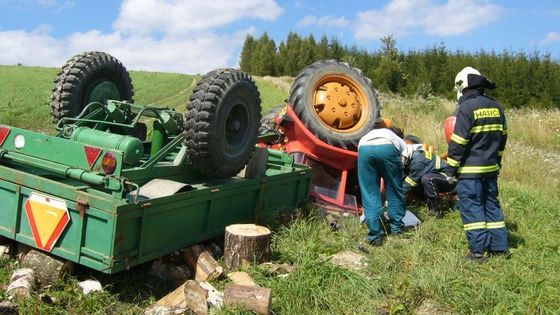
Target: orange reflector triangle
pixel 4 132
pixel 92 154
pixel 47 217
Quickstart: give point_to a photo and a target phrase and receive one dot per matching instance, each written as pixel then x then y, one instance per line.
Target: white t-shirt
pixel 378 136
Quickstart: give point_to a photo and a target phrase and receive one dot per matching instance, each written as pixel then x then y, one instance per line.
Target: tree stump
pixel 251 298
pixel 246 243
pixel 48 269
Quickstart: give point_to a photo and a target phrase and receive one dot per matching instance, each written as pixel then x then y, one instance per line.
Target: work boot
pixel 434 209
pixel 476 257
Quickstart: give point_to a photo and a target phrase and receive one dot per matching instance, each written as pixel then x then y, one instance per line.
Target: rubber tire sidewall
pixel 208 109
pixel 77 78
pixel 302 93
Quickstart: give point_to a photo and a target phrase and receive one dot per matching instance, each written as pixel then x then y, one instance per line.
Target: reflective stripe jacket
pixel 422 163
pixel 479 138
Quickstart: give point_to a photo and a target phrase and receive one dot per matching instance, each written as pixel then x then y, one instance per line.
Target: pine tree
pixel 389 72
pixel 293 45
pixel 246 59
pixel 307 52
pixel 264 56
pixel 323 48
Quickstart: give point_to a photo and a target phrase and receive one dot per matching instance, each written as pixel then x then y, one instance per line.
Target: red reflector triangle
pixel 92 154
pixel 4 132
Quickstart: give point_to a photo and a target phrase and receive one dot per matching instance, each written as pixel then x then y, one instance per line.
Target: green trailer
pixel 122 184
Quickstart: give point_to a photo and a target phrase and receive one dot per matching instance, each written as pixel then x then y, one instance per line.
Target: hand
pixel 451 180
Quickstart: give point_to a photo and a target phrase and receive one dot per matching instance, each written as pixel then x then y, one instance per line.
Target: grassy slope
pixel 411 272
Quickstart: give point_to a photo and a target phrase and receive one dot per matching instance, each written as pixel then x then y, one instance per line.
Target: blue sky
pixel 190 36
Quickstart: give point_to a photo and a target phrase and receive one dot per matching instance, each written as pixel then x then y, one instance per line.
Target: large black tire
pixel 222 123
pixel 336 102
pixel 89 77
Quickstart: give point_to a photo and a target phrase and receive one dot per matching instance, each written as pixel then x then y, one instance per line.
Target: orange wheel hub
pixel 340 103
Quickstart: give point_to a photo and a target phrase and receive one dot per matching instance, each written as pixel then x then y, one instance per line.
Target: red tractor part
pixel 449 126
pixel 331 165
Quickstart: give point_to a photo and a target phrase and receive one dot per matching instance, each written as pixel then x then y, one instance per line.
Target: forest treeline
pixel 522 79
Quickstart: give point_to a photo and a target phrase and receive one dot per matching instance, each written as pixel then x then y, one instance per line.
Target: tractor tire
pixel 335 102
pixel 89 77
pixel 222 123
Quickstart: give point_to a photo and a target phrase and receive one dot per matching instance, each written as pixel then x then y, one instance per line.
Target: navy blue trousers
pixel 376 162
pixel 483 218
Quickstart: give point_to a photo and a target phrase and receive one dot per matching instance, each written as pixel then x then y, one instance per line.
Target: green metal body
pixel 131 147
pixel 110 229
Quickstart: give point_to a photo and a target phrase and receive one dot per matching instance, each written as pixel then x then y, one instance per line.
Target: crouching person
pixel 426 175
pixel 380 155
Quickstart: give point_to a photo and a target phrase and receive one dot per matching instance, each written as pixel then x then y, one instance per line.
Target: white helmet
pixel 462 80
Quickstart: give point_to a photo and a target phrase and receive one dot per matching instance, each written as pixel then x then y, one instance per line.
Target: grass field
pixel 420 272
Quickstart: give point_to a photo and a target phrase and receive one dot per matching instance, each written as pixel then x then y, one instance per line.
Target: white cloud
pixel 139 52
pixel 323 21
pixel 551 37
pixel 185 16
pixel 404 17
pixel 166 43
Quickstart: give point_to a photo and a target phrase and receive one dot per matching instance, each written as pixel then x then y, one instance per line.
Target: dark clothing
pixel 433 183
pixel 483 219
pixel 376 162
pixel 479 137
pixel 426 174
pixel 475 155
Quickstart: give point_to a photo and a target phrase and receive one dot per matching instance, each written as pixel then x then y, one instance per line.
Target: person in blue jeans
pixel 380 155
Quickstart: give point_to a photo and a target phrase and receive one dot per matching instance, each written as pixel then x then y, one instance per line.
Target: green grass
pixel 424 267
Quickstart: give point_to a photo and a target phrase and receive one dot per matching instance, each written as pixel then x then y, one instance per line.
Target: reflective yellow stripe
pixel 478 169
pixel 500 153
pixel 495 225
pixel 411 182
pixel 438 162
pixel 474 226
pixel 452 162
pixel 504 132
pixel 486 113
pixel 486 128
pixel 458 139
pixel 428 154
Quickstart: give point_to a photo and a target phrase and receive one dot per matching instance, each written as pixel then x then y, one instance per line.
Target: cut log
pixel 241 278
pixel 202 263
pixel 196 298
pixel 22 283
pixel 246 243
pixel 172 303
pixel 189 296
pixel 250 298
pixel 48 269
pixel 215 297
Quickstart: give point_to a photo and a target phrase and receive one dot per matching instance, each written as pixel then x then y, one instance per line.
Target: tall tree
pixel 246 59
pixel 293 47
pixel 307 52
pixel 323 48
pixel 264 56
pixel 389 73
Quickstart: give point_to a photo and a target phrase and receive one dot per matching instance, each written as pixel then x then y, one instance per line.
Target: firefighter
pixel 380 154
pixel 475 158
pixel 426 174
